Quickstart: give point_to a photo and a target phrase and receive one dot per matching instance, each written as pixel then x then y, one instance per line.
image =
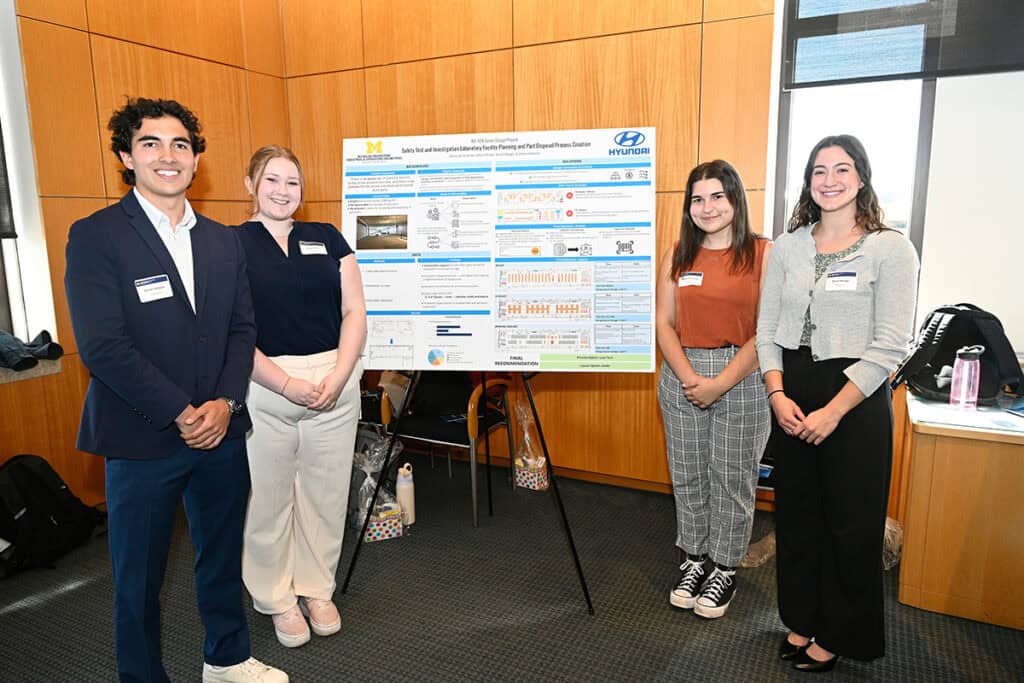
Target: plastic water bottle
pixel 963 392
pixel 405 494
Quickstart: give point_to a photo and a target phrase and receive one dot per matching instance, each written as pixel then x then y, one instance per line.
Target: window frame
pixel 26 299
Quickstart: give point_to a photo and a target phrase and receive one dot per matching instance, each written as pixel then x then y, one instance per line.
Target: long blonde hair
pixel 258 164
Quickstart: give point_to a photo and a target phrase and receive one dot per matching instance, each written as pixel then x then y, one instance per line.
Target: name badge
pixel 153 288
pixel 841 281
pixel 691 279
pixel 310 248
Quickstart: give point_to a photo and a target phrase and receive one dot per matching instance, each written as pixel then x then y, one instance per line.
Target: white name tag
pixel 844 281
pixel 153 288
pixel 309 248
pixel 691 279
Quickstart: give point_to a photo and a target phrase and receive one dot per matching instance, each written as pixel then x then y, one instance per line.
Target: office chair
pixel 447 410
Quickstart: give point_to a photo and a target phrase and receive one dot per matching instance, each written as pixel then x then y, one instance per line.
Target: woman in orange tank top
pixel 712 398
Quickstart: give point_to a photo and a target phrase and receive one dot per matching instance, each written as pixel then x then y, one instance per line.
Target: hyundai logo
pixel 630 138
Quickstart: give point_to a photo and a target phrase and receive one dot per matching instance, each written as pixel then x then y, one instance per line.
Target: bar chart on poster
pixel 525 251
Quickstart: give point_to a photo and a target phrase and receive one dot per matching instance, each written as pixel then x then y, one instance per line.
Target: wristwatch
pixel 233 405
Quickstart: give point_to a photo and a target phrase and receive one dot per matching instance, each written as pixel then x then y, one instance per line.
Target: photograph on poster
pixel 382 232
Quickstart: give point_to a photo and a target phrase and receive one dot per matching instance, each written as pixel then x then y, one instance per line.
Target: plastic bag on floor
pixel 760 552
pixel 367 463
pixel 530 466
pixel 893 543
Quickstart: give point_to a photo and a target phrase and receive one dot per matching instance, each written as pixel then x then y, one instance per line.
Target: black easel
pixel 403 411
pixel 554 488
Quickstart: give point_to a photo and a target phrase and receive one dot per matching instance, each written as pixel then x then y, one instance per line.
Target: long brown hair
pixel 869 213
pixel 258 164
pixel 691 237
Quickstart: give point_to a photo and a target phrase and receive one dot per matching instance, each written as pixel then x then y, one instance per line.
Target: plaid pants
pixel 713 457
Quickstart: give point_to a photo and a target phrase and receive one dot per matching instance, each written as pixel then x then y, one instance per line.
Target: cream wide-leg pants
pixel 300 461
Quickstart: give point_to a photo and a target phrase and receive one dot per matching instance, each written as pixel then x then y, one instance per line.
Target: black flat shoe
pixel 804 662
pixel 789 651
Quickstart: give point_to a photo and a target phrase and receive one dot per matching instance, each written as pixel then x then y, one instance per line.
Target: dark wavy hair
pixel 869 213
pixel 691 237
pixel 126 121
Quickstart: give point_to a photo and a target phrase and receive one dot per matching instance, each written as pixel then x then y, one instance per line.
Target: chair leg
pixel 472 482
pixel 449 451
pixel 487 459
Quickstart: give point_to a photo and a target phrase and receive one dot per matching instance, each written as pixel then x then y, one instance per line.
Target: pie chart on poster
pixel 435 356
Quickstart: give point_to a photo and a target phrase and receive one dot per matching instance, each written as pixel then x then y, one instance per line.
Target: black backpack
pixel 948 329
pixel 39 515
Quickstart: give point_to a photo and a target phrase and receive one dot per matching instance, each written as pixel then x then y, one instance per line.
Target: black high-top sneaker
pixel 694 571
pixel 716 593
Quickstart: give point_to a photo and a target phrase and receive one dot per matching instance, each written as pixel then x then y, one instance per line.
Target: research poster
pixel 530 251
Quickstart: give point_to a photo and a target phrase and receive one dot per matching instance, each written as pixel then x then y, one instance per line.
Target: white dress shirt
pixel 178 241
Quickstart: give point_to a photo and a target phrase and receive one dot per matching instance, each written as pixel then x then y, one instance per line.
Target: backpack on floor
pixel 39 515
pixel 928 369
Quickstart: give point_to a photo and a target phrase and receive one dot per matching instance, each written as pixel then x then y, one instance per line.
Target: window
pixel 885 116
pixel 26 296
pixel 829 41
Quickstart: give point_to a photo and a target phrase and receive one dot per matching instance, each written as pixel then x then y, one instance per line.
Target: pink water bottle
pixel 963 392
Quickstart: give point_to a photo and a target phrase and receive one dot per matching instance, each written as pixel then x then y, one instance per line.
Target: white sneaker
pixel 251 670
pixel 291 628
pixel 323 615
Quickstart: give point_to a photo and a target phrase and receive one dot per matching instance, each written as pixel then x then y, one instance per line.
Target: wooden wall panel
pixel 325 212
pixel 41 416
pixel 216 93
pixel 465 94
pixel 603 422
pixel 755 207
pixel 322 35
pixel 541 21
pixel 228 213
pixel 403 30
pixel 322 111
pixel 58 215
pixel 62 109
pixel 642 79
pixel 211 30
pixel 268 111
pixel 65 12
pixel 715 10
pixel 669 218
pixel 263 36
pixel 735 92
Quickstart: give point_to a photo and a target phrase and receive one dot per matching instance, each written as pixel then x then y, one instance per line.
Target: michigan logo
pixel 374 147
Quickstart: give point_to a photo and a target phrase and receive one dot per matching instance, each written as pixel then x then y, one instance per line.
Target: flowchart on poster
pixel 526 251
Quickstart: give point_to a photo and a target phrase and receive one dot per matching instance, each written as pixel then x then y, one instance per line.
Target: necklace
pixel 279 233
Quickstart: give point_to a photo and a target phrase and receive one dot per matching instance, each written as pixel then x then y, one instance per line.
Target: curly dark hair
pixel 125 122
pixel 691 237
pixel 869 213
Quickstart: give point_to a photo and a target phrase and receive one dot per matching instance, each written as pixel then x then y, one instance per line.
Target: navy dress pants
pixel 142 501
pixel 830 503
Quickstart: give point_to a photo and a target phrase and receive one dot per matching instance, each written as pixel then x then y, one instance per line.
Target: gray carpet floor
pixel 500 603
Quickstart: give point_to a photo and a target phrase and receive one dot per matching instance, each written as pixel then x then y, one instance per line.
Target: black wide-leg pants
pixel 830 505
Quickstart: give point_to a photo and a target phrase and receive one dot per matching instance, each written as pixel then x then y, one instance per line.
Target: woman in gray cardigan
pixel 835 319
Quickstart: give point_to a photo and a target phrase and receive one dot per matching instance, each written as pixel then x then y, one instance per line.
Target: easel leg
pixel 558 497
pixel 402 412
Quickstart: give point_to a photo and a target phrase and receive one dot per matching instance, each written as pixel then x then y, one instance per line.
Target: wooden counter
pixel 963 549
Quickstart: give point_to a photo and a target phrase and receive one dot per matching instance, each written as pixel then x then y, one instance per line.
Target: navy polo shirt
pixel 296 298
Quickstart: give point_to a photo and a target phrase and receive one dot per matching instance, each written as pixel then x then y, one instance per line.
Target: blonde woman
pixel 304 401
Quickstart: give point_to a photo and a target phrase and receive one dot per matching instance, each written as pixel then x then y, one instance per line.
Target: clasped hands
pixel 702 391
pixel 812 428
pixel 203 428
pixel 322 396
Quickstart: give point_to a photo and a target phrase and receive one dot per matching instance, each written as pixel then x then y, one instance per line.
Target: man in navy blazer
pixel 161 312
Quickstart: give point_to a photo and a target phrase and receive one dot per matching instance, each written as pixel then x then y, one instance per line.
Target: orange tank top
pixel 714 306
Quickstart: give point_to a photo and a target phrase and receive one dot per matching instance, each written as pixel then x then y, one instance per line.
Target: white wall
pixel 973 247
